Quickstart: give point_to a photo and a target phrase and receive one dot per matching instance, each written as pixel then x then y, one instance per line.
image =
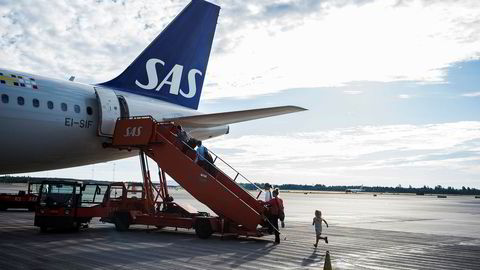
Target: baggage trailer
pixel 23 199
pixel 238 211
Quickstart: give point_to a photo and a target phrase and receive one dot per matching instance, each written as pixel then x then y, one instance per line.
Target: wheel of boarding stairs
pixel 76 226
pixel 122 221
pixel 203 229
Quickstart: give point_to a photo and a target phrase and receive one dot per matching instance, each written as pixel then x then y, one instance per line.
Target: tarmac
pixel 366 232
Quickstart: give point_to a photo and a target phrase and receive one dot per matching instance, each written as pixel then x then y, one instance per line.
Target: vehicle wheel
pixel 122 222
pixel 203 229
pixel 43 229
pixel 3 208
pixel 160 227
pixel 31 208
pixel 76 226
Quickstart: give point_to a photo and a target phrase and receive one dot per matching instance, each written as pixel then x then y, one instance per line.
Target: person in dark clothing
pixel 188 142
pixel 275 211
pixel 182 134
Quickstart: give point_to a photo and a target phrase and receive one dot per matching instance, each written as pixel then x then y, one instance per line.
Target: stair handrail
pixel 217 157
pixel 238 173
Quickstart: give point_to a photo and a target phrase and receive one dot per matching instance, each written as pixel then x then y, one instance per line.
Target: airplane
pixel 48 124
pixel 355 190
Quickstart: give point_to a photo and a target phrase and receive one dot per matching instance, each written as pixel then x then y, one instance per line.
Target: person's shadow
pixel 255 248
pixel 313 258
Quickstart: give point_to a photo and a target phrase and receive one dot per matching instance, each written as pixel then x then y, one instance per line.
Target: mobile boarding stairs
pixel 238 211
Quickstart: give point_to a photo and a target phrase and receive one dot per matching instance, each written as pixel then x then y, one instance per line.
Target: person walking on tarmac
pixel 274 213
pixel 317 222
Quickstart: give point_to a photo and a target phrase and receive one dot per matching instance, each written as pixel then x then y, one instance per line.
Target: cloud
pixel 333 45
pixel 404 96
pixel 471 94
pixel 89 39
pixel 260 47
pixel 360 154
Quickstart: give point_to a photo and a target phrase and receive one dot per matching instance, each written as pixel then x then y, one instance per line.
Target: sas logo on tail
pixel 133 132
pixel 173 79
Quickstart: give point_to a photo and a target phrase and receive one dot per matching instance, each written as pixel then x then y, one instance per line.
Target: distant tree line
pixel 378 189
pixel 318 187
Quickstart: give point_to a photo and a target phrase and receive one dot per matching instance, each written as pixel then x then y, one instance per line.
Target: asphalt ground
pixel 366 232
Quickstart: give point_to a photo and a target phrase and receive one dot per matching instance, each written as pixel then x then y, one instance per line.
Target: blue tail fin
pixel 172 68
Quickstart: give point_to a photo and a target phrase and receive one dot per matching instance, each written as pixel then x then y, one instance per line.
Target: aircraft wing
pixel 226 118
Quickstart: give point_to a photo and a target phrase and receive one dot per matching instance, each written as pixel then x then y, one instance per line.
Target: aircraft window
pixel 89 110
pixel 4 98
pixel 64 107
pixel 20 101
pixel 50 105
pixel 35 103
pixel 76 108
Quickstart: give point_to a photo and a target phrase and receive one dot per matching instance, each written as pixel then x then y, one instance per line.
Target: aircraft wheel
pixel 203 229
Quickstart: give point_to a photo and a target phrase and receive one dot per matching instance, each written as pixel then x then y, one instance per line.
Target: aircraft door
pixel 109 111
pixel 123 107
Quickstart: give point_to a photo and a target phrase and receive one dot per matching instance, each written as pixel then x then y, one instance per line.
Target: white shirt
pixel 268 195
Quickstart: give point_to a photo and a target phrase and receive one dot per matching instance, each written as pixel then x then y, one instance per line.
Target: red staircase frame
pixel 238 211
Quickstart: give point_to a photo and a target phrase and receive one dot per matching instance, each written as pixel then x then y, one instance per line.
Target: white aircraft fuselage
pixel 46 136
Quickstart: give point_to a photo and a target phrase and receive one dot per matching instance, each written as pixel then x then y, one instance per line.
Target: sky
pixel 391 87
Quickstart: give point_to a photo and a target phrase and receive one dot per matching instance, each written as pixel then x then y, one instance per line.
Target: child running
pixel 317 221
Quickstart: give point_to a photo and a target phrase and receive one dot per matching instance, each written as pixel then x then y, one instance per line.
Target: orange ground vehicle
pixel 238 211
pixel 69 204
pixel 73 204
pixel 23 199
